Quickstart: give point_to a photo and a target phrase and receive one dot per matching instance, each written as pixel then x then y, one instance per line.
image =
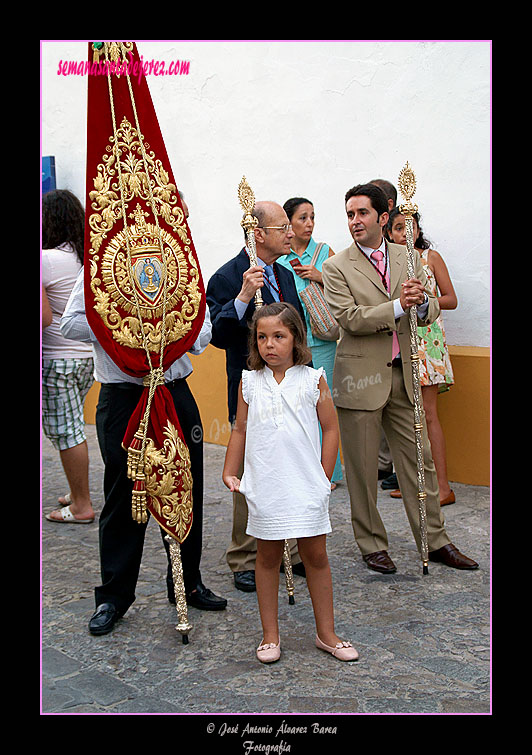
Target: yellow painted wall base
pixel 464 410
pixel 89 409
pixel 464 413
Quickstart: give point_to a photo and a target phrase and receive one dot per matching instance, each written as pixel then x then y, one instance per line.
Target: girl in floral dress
pixel 436 372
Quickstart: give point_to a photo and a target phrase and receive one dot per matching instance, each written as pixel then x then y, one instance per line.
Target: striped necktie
pixel 268 269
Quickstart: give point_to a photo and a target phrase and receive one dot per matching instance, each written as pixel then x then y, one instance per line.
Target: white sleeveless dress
pixel 286 489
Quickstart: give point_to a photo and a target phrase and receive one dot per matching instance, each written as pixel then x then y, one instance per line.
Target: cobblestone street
pixel 424 641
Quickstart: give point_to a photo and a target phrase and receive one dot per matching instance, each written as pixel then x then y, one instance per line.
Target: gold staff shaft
pixel 288 573
pixel 249 223
pixel 407 186
pixel 184 626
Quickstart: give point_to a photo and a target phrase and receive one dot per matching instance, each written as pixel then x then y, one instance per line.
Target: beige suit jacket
pixel 358 299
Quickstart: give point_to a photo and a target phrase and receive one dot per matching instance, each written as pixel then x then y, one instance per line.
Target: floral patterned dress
pixel 434 363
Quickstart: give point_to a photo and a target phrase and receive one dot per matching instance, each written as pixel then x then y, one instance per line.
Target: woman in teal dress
pixel 300 213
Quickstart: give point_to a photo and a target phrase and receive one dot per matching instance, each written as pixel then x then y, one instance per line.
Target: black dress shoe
pixel 104 618
pixel 245 580
pixel 298 569
pixel 203 598
pixel 390 482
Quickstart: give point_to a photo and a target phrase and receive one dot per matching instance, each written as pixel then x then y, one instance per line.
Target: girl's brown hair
pixel 291 319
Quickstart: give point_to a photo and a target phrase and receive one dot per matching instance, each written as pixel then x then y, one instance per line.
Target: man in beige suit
pixel 369 293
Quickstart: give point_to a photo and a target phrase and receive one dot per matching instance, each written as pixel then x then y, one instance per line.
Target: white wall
pixel 312 119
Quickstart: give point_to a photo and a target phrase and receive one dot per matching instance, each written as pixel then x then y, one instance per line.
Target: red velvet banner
pixel 143 285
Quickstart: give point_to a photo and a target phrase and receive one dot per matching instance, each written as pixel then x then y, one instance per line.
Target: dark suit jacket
pixel 230 333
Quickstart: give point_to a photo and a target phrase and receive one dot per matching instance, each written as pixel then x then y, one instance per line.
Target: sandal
pixel 67 516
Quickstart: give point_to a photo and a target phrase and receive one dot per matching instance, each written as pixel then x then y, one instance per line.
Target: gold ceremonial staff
pixel 407 187
pixel 249 223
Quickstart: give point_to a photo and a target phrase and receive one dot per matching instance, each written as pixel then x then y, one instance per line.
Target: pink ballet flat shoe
pixel 344 651
pixel 269 653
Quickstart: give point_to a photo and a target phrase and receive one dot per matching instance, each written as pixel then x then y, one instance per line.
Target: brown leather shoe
pixel 451 556
pixel 451 498
pixel 380 561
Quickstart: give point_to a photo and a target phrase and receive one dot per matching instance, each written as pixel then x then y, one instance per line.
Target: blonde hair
pixel 291 319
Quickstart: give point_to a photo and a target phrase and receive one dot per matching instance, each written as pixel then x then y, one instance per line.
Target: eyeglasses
pixel 286 228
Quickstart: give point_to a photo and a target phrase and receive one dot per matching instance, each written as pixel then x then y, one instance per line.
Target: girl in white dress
pixel 286 481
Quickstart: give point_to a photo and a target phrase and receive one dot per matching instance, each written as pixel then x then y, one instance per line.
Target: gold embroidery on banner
pixel 114 289
pixel 117 51
pixel 164 469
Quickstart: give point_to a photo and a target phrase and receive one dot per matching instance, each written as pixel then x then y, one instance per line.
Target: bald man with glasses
pixel 231 300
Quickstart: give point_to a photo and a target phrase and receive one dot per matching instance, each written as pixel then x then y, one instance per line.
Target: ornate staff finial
pixel 249 222
pixel 247 202
pixel 407 187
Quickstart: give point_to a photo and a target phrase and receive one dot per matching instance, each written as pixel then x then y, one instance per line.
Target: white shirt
pixel 74 325
pixel 60 268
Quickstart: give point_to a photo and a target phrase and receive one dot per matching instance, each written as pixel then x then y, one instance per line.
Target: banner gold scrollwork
pixel 149 259
pixel 163 468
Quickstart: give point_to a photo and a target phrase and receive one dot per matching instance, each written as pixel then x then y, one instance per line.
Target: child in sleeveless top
pixel 282 403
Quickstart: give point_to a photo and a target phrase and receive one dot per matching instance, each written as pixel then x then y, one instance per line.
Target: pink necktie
pixel 378 258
